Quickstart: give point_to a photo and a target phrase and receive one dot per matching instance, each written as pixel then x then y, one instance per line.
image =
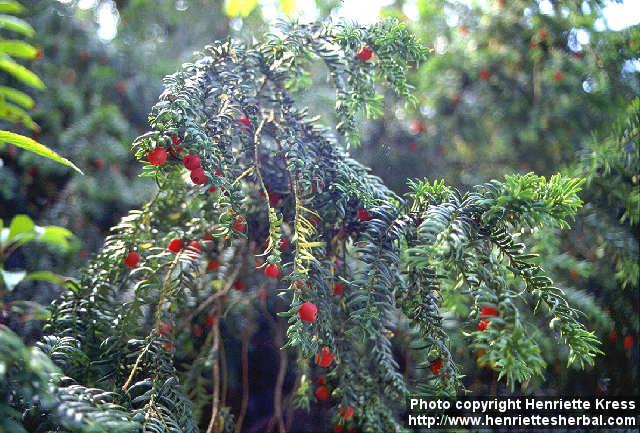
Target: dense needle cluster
pixel 249 170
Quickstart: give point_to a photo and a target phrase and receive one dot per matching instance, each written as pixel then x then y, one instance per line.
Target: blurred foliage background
pixel 509 86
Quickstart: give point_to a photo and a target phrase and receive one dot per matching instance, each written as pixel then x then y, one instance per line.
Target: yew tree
pixel 261 218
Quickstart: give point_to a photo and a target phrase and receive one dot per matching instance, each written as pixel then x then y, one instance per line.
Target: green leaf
pixel 46 276
pixel 11 7
pixel 19 49
pixel 15 114
pixel 17 25
pixel 32 310
pixel 12 278
pixel 21 226
pixel 242 8
pixel 35 147
pixel 56 236
pixel 288 6
pixel 21 73
pixel 16 96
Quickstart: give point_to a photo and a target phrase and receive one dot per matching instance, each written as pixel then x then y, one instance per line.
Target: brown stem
pixel 224 374
pixel 215 355
pixel 216 295
pixel 289 402
pixel 161 297
pixel 245 380
pixel 282 371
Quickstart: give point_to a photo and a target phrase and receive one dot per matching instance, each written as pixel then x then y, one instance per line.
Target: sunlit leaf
pixel 12 278
pixel 33 146
pixel 54 235
pixel 241 8
pixel 288 7
pixel 46 276
pixel 16 25
pixel 16 96
pixel 21 73
pixel 20 49
pixel 11 7
pixel 20 226
pixel 15 114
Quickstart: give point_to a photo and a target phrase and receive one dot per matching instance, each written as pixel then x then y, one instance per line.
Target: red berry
pixel 463 29
pixel 488 312
pixel 613 336
pixel 308 312
pixel 164 329
pixel 191 162
pixel 197 330
pixel 175 140
pixel 363 215
pixel 175 151
pixel 99 163
pixel 157 156
pixel 627 342
pixel 436 366
pixel 325 358
pixel 322 393
pixel 213 265
pixel 245 121
pixel 240 224
pixel 132 260
pixel 558 75
pixel 195 245
pixel 274 199
pixel 284 244
pixel 212 188
pixel 364 53
pixel 320 380
pixel 484 74
pixel 33 171
pixel 543 34
pixel 175 245
pixel 210 320
pixel 338 428
pixel 272 271
pixel 314 219
pixel 198 176
pixel 417 126
pixel 262 294
pixel 346 413
pixel 121 87
pixel 338 289
pixel 483 324
pixel 239 285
